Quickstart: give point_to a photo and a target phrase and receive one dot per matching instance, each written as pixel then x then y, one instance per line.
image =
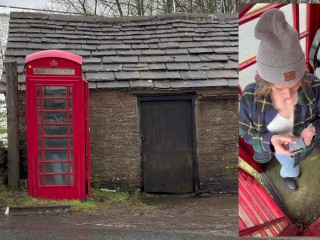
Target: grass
pixel 98 201
pixel 3 130
pixel 245 166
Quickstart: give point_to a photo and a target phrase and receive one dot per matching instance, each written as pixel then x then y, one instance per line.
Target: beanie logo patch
pixel 288 76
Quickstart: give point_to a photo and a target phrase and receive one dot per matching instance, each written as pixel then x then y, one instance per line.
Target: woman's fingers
pixel 307 135
pixel 291 139
pixel 280 143
pixel 286 139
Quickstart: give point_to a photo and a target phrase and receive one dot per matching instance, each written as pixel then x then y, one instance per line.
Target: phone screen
pixel 298 146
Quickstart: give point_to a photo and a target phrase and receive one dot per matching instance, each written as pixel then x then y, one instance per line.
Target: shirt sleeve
pixel 316 91
pixel 248 124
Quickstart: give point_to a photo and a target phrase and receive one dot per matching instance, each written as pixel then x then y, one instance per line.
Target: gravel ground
pixel 214 214
pixel 170 218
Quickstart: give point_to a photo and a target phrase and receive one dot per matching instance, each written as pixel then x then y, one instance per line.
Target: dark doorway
pixel 167 133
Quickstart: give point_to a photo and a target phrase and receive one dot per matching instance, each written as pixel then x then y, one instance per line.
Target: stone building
pixel 163 95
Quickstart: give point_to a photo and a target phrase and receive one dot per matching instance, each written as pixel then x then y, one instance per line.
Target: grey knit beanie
pixel 280 58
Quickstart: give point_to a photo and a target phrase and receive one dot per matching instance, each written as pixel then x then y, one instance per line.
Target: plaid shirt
pixel 255 116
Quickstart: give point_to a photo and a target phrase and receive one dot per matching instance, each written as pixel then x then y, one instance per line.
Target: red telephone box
pixel 58 137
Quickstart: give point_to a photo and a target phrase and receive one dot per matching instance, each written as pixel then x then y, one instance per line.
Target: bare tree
pixel 119 8
pixel 169 6
pixel 145 7
pixel 82 7
pixel 2 47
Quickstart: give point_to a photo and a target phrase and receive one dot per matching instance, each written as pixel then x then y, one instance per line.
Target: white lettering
pixel 53 71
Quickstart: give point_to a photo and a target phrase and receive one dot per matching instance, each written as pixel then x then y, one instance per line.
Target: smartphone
pixel 298 146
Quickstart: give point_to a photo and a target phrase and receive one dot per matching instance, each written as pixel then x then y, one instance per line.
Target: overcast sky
pixel 22 3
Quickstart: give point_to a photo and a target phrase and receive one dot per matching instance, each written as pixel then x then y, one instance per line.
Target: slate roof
pixel 167 51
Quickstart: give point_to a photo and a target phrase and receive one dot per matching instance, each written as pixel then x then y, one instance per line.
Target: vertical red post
pixel 295 10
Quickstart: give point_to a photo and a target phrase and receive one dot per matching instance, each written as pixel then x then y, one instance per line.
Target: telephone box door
pixel 58 170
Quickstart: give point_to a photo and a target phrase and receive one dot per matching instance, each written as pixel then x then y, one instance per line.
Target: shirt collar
pixel 304 98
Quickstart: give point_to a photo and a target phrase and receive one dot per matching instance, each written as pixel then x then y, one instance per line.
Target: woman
pixel 284 102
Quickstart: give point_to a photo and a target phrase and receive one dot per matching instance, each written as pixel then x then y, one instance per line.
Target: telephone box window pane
pixel 55 104
pixel 303 43
pixel 70 92
pixel 71 167
pixel 41 181
pixel 71 180
pixel 40 168
pixel 38 91
pixel 70 105
pixel 288 12
pixel 56 167
pixel 55 130
pixel 71 155
pixel 303 17
pixel 246 76
pixel 40 142
pixel 71 142
pixel 39 117
pixel 56 142
pixel 39 130
pixel 39 104
pixel 71 130
pixel 249 45
pixel 56 155
pixel 55 116
pixel 56 180
pixel 55 91
pixel 70 117
pixel 40 155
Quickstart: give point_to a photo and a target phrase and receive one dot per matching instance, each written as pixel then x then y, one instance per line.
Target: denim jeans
pixel 287 169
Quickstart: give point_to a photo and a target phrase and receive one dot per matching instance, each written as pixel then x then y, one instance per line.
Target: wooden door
pixel 167 145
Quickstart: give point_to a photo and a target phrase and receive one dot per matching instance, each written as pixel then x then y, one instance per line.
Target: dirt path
pixel 215 215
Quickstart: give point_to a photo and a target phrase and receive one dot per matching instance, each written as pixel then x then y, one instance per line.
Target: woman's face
pixel 286 91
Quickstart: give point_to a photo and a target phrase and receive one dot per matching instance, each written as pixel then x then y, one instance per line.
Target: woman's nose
pixel 288 93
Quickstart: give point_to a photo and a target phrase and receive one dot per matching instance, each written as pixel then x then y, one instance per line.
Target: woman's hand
pixel 280 143
pixel 307 134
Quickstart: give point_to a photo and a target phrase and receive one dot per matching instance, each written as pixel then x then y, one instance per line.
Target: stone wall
pixel 217 141
pixel 115 141
pixel 115 146
pixel 115 152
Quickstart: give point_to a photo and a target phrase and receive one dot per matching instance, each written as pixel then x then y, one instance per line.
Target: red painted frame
pixel 87 137
pixel 245 9
pixel 80 187
pixel 258 213
pixel 295 11
pixel 249 17
pixel 313 229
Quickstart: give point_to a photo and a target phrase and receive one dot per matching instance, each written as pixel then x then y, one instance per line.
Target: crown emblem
pixel 53 63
